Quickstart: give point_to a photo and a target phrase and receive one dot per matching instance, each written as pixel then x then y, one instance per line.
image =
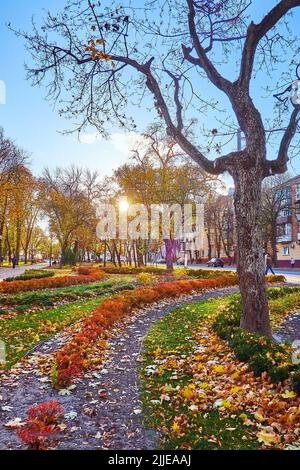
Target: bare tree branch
pixel 280 164
pixel 256 32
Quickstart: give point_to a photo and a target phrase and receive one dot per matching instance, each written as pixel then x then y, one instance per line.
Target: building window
pixel 288 229
pixel 298 192
pixel 285 212
pixel 286 250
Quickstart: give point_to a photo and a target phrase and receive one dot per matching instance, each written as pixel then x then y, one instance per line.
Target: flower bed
pixel 72 360
pixel 49 282
pixel 194 273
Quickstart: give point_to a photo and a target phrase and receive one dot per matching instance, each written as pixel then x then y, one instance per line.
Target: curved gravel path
pixel 104 410
pixel 289 330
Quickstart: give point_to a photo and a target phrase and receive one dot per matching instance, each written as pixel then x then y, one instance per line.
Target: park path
pixel 289 330
pixel 104 410
pixel 10 272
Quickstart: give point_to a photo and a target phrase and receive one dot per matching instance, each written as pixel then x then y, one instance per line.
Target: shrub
pixel 260 363
pixel 86 270
pixel 145 278
pixel 280 373
pixel 69 257
pixel 208 273
pixel 261 353
pixel 276 278
pixel 133 270
pixel 278 292
pixel 42 424
pixel 31 274
pixel 246 345
pixel 181 272
pixel 296 381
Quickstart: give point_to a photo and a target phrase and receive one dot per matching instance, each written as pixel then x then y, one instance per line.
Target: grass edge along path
pixel 74 358
pixel 22 333
pixel 197 395
pixel 49 297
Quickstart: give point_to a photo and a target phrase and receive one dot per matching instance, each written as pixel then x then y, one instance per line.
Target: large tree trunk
pixel 251 266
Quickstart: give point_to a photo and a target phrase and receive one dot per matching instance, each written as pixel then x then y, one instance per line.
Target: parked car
pixel 160 261
pixel 180 261
pixel 216 262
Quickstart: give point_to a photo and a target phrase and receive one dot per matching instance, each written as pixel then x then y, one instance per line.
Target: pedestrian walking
pixel 14 261
pixel 293 262
pixel 268 262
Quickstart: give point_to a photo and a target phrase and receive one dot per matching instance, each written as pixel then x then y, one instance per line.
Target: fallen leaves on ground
pixel 216 380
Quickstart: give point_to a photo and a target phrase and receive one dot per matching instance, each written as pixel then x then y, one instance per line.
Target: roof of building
pixel 295 179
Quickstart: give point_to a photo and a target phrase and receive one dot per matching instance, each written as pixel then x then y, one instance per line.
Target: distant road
pixel 10 272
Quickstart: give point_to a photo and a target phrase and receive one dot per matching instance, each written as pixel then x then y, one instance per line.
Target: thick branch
pixel 212 73
pixel 280 164
pixel 174 131
pixel 177 100
pixel 256 32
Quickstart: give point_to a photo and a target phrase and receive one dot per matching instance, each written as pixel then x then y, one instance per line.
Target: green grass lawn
pixel 26 328
pixel 173 335
pixel 48 297
pixel 23 332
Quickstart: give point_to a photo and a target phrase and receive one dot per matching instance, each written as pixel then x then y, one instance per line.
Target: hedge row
pixel 261 353
pixel 195 273
pixel 49 282
pixel 73 359
pixel 31 274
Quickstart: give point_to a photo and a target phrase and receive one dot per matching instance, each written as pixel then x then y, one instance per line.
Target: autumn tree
pixel 175 53
pixel 159 173
pixel 68 206
pixel 220 224
pixel 38 244
pixel 12 161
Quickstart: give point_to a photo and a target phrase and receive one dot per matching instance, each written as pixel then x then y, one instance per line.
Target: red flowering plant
pixel 42 423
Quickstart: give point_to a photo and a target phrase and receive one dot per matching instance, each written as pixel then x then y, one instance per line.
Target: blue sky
pixel 33 123
pixel 29 119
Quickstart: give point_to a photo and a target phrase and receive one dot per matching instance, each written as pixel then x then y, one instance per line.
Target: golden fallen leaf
pixel 268 437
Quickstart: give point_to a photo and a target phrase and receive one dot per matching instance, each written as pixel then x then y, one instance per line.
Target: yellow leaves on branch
pixel 98 54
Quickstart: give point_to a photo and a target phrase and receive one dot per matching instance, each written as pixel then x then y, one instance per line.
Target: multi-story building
pixel 288 224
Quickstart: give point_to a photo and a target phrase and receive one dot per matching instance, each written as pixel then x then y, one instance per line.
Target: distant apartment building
pixel 288 224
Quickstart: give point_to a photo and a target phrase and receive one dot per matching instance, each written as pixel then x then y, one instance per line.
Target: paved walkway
pixel 10 272
pixel 289 330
